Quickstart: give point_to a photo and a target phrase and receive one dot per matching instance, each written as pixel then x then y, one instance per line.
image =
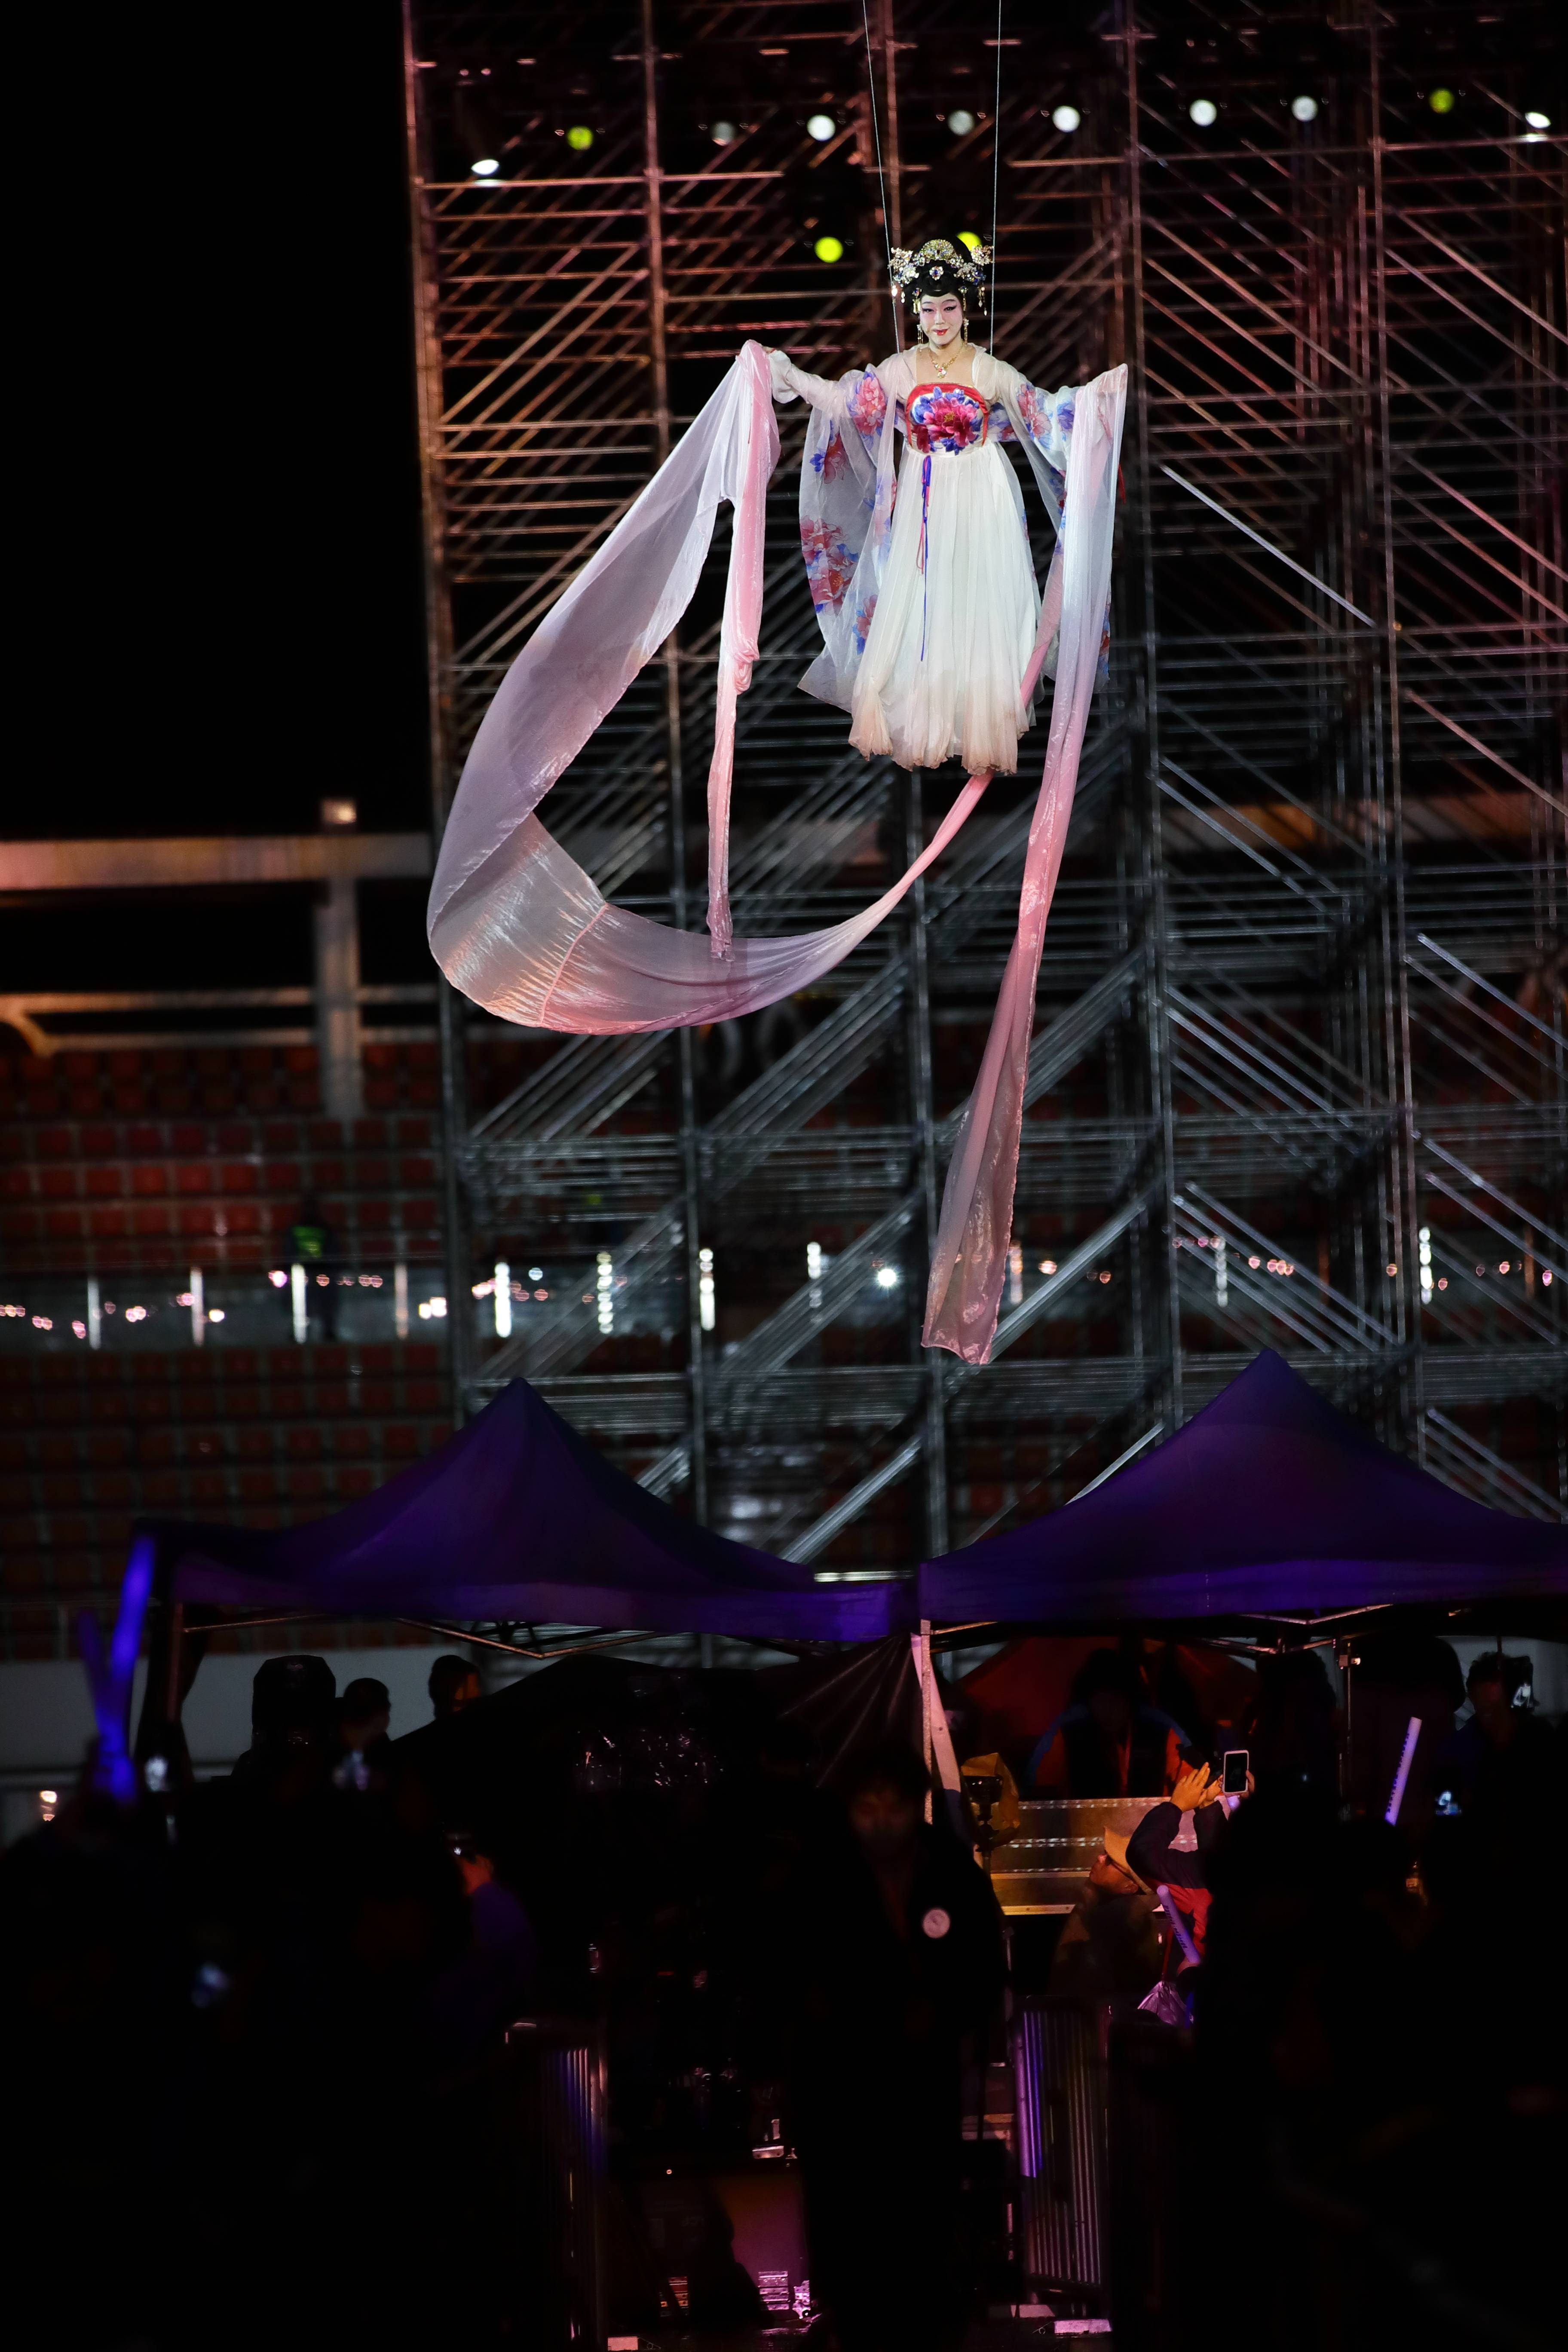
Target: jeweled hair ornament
pixel 940 267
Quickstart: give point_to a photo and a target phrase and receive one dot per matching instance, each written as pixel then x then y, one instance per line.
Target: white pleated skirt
pixel 949 642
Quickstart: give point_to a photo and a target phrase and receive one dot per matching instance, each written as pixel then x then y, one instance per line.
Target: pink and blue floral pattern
pixel 869 404
pixel 945 416
pixel 1047 421
pixel 829 564
pixel 865 613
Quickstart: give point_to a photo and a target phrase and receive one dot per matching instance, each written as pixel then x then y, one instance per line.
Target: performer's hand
pixel 778 364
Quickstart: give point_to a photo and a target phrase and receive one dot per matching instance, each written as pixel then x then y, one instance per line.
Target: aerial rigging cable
pixel 995 178
pixel 882 176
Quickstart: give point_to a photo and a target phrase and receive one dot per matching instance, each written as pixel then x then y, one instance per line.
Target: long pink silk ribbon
pixel 520 926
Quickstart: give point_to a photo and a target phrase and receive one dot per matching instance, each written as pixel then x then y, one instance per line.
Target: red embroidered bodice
pixel 950 417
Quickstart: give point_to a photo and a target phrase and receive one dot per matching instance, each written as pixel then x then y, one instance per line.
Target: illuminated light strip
pixel 1408 1758
pixel 1179 1927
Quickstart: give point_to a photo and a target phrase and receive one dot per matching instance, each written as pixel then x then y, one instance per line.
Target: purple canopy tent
pixel 1268 1502
pixel 516 1516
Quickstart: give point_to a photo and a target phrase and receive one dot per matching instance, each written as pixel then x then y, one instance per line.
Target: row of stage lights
pixel 1305 108
pixel 1066 119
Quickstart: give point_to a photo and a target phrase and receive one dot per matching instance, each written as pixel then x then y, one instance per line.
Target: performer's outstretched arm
pixel 859 398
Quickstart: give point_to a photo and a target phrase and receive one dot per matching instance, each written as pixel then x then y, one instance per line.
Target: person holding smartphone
pixel 1154 1854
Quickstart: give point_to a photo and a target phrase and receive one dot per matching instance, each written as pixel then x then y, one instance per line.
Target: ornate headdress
pixel 940 267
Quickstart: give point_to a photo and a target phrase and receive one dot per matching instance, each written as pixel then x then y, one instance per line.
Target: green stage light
pixel 1442 101
pixel 829 248
pixel 579 137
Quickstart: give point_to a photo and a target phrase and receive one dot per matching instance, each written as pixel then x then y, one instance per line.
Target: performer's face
pixel 942 316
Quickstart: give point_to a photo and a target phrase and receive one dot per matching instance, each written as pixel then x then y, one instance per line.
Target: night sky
pixel 247 546
pixel 227 591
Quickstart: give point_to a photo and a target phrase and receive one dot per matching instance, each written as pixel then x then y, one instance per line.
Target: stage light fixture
pixel 1442 101
pixel 967 236
pixel 722 134
pixel 579 137
pixel 829 248
pixel 1204 111
pixel 479 133
pixel 821 126
pixel 1304 109
pixel 1065 118
pixel 1537 121
pixel 961 123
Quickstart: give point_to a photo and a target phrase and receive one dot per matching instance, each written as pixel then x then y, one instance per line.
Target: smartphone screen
pixel 1234 1782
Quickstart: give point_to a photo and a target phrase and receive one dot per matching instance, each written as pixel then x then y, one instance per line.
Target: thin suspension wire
pixel 881 179
pixel 995 180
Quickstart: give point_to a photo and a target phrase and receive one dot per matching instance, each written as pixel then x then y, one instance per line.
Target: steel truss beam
pixel 1304 986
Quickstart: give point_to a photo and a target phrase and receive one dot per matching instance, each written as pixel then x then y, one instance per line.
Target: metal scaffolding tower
pixel 1299 1076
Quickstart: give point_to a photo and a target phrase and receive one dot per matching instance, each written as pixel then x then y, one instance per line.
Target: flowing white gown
pixel 523 930
pixel 929 610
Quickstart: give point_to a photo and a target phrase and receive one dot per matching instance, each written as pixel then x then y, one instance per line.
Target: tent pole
pixel 162 1658
pixel 174 1635
pixel 922 1668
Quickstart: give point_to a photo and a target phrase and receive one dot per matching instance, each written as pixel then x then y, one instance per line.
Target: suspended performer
pixel 925 590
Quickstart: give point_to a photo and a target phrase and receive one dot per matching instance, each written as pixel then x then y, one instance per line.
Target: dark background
pixel 216 470
pixel 236 626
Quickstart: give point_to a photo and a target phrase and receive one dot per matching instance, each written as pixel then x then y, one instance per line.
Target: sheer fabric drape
pixel 518 926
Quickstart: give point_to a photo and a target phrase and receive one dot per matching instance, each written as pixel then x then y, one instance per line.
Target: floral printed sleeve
pixel 1047 416
pixel 846 507
pixel 867 403
pixel 856 398
pixel 1043 421
pixel 841 451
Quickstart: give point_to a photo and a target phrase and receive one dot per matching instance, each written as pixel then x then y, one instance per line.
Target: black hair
pixel 891 1764
pixel 364 1697
pixel 448 1675
pixel 1491 1666
pixel 1293 1677
pixel 944 272
pixel 1108 1670
pixel 296 1691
